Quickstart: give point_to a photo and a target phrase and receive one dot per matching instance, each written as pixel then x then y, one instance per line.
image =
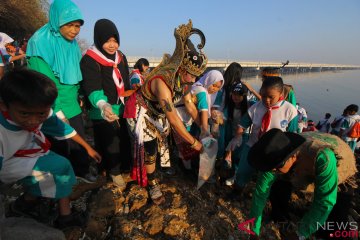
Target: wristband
pixel 194 144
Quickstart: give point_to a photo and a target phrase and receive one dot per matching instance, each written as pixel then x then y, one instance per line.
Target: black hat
pixel 239 88
pixel 273 148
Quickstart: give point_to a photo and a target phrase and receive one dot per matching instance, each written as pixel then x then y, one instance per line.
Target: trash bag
pixel 207 159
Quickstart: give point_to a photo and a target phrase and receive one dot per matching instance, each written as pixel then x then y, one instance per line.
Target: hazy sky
pixel 318 31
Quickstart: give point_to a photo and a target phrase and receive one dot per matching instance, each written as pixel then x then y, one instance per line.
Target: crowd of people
pixel 180 101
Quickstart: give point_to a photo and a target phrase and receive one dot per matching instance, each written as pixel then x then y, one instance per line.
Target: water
pixel 322 92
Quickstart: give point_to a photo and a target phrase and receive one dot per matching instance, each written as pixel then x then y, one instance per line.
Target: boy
pixel 349 121
pixel 324 124
pixel 314 163
pixel 26 115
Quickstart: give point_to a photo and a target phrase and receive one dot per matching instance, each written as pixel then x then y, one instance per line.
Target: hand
pixel 93 154
pixel 198 146
pixel 107 113
pixel 204 134
pixel 234 143
pixel 215 130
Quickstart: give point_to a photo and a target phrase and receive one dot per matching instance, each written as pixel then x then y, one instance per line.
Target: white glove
pixel 234 143
pixel 215 130
pixel 204 134
pixel 107 113
pixel 217 116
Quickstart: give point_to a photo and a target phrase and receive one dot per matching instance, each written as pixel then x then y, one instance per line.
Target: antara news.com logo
pixel 338 230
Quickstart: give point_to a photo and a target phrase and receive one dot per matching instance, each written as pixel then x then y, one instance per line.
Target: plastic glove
pixel 215 130
pixel 204 134
pixel 107 113
pixel 234 143
pixel 217 116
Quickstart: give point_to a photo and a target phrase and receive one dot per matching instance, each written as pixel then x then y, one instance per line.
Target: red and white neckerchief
pixel 137 71
pixel 39 139
pixel 95 54
pixel 266 120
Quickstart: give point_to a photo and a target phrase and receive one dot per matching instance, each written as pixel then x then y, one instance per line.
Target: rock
pixel 175 227
pixel 29 229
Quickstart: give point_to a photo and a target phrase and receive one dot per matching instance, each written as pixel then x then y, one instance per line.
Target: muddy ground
pixel 187 213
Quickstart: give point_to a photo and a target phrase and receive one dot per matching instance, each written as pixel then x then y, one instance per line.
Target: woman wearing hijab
pixel 4 40
pixel 106 76
pixel 53 51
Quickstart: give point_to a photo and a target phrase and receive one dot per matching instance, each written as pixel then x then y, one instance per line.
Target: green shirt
pixel 291 98
pixel 326 180
pixel 67 100
pixel 95 113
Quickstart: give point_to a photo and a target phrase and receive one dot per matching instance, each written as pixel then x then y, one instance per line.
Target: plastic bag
pixel 207 160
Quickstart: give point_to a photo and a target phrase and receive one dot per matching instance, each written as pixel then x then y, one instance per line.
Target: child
pixel 324 124
pixel 271 112
pixel 103 85
pixel 336 124
pixel 205 91
pixel 235 110
pixel 26 115
pixel 232 76
pixel 202 96
pixel 288 162
pixel 348 123
pixel 302 117
pixel 310 126
pixel 288 93
pixel 137 74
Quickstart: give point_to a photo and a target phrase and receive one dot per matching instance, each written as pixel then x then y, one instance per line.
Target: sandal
pixel 155 193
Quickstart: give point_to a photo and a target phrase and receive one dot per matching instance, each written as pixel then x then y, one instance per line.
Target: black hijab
pixel 103 30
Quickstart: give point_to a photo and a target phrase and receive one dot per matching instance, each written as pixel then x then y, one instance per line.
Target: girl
pixel 236 109
pixel 271 112
pixel 104 86
pixel 53 51
pixel 203 96
pixel 350 120
pixel 137 74
pixel 232 76
pixel 205 92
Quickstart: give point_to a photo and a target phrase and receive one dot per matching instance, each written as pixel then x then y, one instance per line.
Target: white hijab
pixel 205 82
pixel 5 39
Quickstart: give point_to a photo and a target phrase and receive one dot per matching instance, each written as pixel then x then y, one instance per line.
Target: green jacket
pixel 324 195
pixel 67 100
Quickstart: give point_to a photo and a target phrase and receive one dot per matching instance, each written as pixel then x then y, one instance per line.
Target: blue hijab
pixel 63 56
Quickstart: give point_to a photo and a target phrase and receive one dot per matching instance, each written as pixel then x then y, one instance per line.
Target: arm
pixel 191 108
pixel 14 58
pixel 252 90
pixel 1 71
pixel 324 195
pixel 91 152
pixel 260 196
pixel 291 98
pixel 39 65
pixel 161 90
pixel 92 85
pixel 293 125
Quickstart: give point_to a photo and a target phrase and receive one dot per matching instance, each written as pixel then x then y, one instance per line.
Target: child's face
pixel 111 46
pixel 270 96
pixel 215 87
pixel 237 98
pixel 26 117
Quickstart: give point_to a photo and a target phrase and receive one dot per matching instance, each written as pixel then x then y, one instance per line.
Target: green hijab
pixel 63 56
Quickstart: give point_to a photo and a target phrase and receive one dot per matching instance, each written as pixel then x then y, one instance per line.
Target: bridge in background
pixel 256 66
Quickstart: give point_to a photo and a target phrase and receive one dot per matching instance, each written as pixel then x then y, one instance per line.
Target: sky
pixel 311 31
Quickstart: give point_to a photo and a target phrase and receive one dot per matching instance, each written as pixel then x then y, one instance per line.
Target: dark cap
pixel 273 148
